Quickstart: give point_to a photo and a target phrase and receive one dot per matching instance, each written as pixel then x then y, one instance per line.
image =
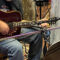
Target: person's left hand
pixel 44 24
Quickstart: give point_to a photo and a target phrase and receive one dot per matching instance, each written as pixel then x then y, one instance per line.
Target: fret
pixel 14 24
pixel 18 24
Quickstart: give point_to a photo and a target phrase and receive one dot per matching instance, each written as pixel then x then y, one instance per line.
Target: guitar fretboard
pixel 21 24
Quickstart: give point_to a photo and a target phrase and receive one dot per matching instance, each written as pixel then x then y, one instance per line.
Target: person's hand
pixel 4 28
pixel 44 24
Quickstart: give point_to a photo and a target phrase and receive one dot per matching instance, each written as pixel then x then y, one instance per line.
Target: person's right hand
pixel 4 28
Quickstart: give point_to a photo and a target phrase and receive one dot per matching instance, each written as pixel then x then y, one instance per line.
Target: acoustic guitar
pixel 13 19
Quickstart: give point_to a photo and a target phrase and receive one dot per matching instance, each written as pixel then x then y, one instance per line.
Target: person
pixel 10 46
pixel 13 46
pixel 54 51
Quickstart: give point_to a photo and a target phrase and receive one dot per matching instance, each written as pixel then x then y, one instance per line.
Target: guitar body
pixel 10 16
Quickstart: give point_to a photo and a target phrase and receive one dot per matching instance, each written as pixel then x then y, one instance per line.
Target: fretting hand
pixel 44 24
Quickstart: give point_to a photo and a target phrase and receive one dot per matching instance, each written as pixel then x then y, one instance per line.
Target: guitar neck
pixel 32 23
pixel 21 24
